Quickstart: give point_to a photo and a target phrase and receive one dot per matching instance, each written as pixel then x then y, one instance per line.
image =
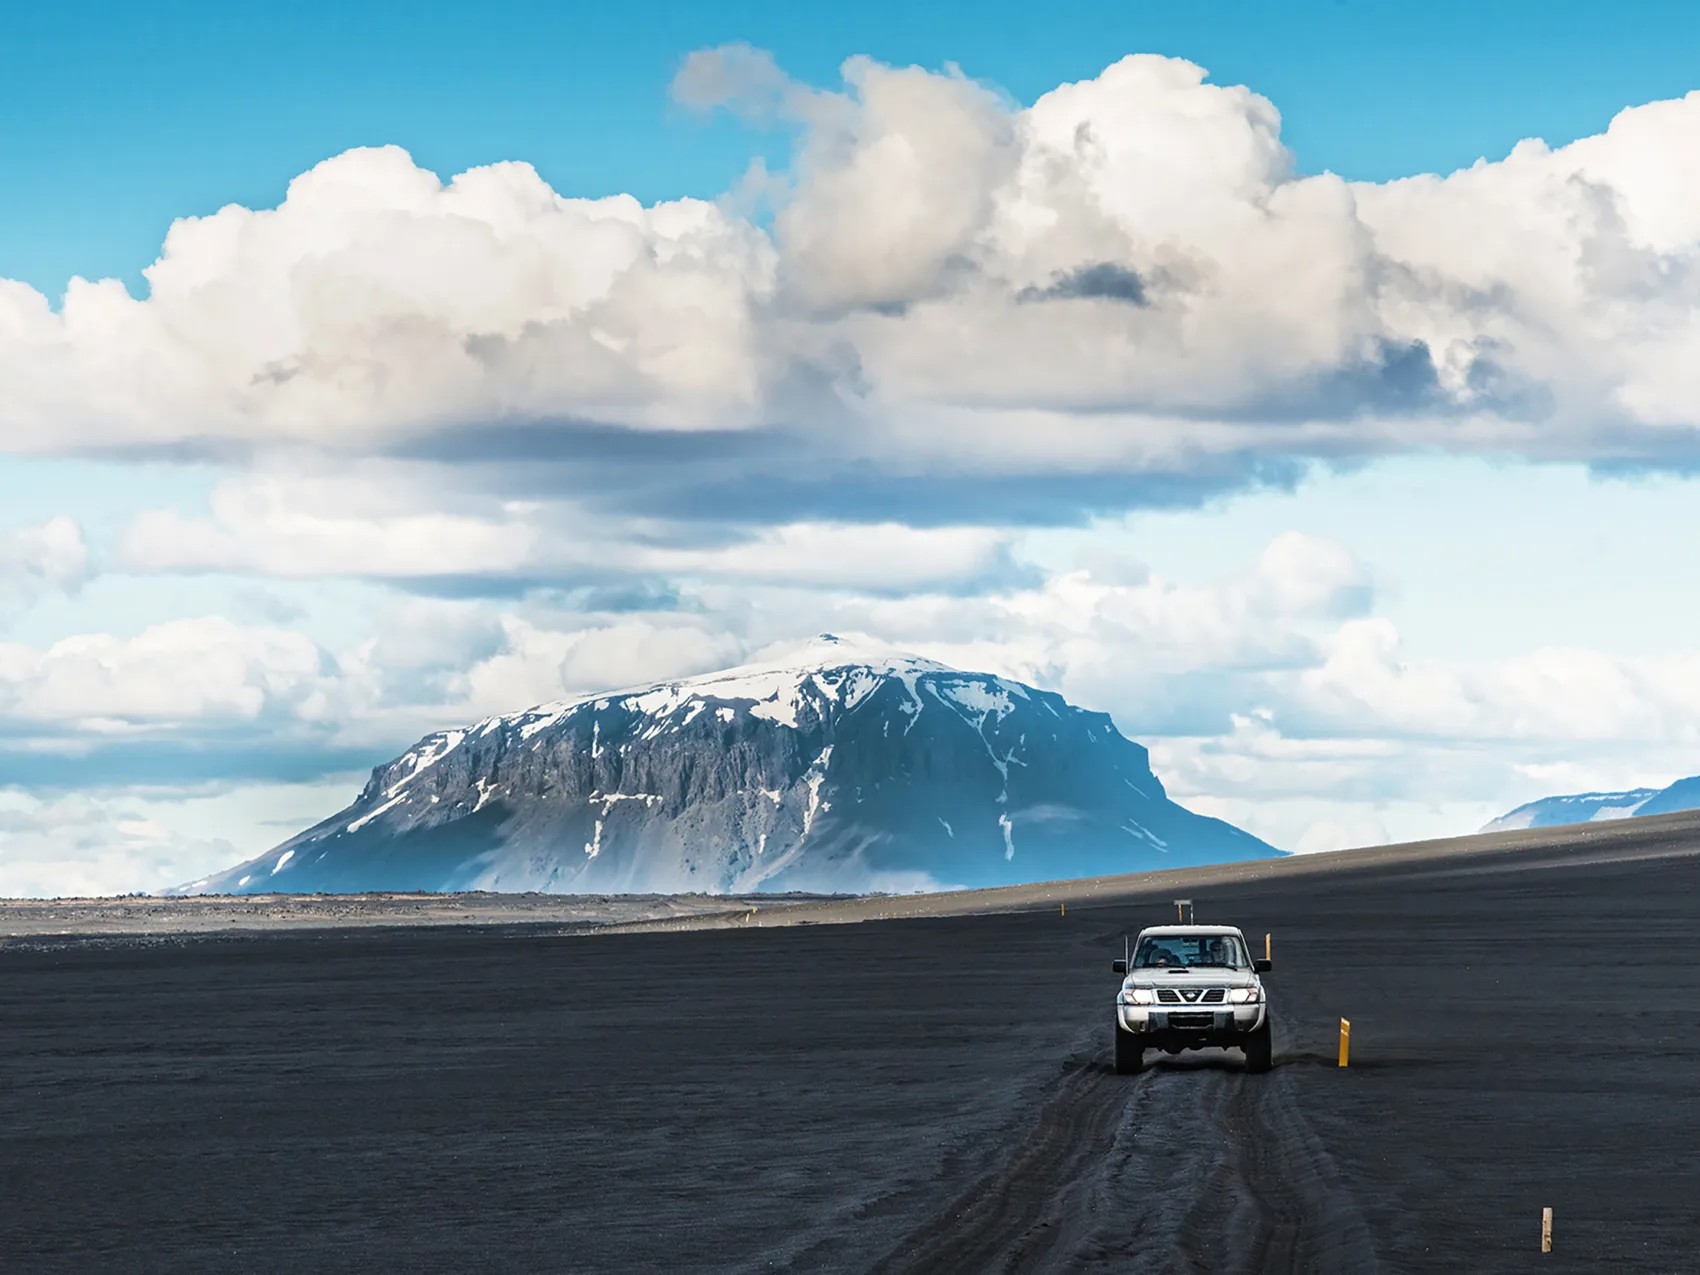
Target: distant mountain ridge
pixel 840 766
pixel 1588 807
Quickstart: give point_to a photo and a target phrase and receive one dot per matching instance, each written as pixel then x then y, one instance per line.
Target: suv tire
pixel 1130 1053
pixel 1259 1049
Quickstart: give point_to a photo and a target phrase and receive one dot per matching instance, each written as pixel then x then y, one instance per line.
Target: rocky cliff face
pixel 837 769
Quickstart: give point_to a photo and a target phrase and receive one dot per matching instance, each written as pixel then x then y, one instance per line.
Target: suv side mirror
pixel 1119 966
pixel 1261 966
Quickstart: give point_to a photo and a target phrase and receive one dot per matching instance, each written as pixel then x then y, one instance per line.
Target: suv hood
pixel 1190 978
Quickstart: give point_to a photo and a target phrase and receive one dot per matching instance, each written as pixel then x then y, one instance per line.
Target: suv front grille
pixel 1191 995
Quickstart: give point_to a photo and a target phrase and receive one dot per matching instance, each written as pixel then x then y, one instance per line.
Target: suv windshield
pixel 1190 951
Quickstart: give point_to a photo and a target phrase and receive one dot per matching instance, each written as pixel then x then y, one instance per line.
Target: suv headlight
pixel 1139 996
pixel 1243 995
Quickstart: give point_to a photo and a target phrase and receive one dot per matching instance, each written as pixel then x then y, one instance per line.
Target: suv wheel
pixel 1130 1053
pixel 1259 1049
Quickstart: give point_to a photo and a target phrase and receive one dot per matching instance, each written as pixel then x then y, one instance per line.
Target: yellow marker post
pixel 1345 1039
pixel 1064 907
pixel 1546 1230
pixel 1266 952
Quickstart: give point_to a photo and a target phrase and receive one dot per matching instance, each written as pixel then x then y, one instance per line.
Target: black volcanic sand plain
pixel 915 1094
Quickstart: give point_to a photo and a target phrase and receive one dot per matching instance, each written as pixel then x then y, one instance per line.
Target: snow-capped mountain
pixel 841 766
pixel 1588 807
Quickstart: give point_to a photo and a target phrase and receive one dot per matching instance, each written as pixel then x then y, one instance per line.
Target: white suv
pixel 1191 987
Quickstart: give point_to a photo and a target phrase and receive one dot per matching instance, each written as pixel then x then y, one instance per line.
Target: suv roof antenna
pixel 1183 911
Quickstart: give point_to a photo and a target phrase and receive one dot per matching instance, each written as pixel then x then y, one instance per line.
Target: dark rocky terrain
pixel 835 770
pixel 223 913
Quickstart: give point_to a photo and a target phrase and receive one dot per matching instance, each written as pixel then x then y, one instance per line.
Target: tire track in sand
pixel 1261 1192
pixel 1011 1219
pixel 1193 1166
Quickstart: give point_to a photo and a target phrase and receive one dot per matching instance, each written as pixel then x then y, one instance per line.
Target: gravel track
pixel 1193 1166
pixel 1012 1219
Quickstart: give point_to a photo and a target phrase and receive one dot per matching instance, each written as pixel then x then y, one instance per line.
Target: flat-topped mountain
pixel 840 766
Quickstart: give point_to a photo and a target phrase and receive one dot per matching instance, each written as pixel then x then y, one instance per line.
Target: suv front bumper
pixel 1173 1020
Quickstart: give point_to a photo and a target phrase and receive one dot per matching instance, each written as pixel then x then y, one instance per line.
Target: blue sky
pixel 1364 502
pixel 125 117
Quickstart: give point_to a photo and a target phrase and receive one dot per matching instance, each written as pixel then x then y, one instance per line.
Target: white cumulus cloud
pixel 377 300
pixel 1131 274
pixel 51 556
pixel 175 672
